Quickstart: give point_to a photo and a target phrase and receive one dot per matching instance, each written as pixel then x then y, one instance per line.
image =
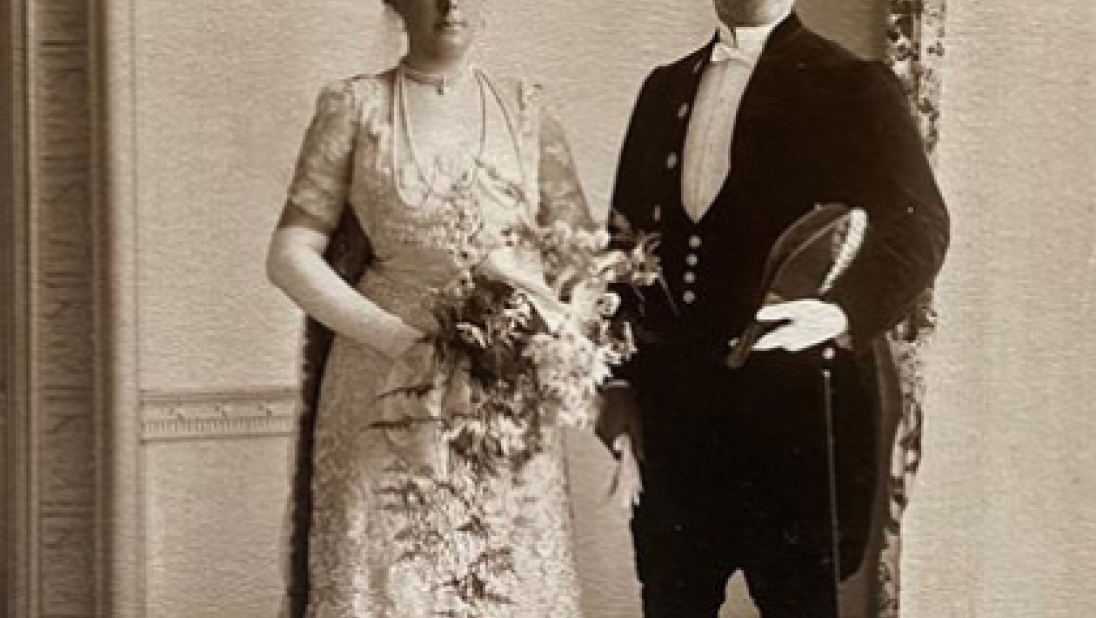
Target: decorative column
pixel 52 422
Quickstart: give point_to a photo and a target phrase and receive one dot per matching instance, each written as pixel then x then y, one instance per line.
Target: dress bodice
pixel 421 235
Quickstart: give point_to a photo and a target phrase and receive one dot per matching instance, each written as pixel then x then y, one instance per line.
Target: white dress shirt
pixel 707 158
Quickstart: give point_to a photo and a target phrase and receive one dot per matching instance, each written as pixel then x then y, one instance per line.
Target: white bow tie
pixel 725 52
pixel 743 44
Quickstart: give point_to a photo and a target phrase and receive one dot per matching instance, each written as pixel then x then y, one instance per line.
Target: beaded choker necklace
pixel 443 82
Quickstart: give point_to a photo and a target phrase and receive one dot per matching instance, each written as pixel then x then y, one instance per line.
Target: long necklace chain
pixel 400 112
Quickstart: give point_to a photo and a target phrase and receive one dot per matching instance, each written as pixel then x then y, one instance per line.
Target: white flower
pixel 647 277
pixel 515 314
pixel 601 239
pixel 511 435
pixel 472 335
pixel 464 284
pixel 611 260
pixel 575 410
pixel 562 229
pixel 585 241
pixel 586 298
pixel 625 345
pixel 608 304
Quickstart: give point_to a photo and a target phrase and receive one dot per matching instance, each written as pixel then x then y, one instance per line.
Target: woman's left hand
pixel 509 265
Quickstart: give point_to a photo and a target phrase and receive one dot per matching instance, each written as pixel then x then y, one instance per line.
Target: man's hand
pixel 804 324
pixel 618 414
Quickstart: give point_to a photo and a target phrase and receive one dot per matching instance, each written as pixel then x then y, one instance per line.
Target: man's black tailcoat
pixel 815 125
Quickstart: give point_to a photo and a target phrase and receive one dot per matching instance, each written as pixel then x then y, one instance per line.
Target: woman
pixel 432 160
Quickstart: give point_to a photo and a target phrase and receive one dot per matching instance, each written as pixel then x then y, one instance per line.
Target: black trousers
pixel 736 479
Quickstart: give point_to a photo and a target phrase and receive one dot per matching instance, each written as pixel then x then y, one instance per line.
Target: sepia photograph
pixel 547 309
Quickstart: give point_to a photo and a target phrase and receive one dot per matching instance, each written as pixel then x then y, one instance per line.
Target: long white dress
pixel 361 563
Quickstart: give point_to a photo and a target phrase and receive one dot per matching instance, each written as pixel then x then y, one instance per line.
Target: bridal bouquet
pixel 530 333
pixel 527 334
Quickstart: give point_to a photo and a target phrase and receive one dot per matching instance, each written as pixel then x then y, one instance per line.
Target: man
pixel 726 148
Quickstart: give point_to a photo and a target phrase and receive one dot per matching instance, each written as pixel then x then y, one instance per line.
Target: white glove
pixel 809 322
pixel 526 274
pixel 627 485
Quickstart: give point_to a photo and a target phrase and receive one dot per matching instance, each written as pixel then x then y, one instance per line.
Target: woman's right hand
pixel 396 338
pixel 414 367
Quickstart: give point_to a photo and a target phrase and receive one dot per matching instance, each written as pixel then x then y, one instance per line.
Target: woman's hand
pixel 515 267
pixel 508 264
pixel 395 338
pixel 414 368
pixel 295 264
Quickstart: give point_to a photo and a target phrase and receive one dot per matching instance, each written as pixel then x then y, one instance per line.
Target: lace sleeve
pixel 322 178
pixel 561 195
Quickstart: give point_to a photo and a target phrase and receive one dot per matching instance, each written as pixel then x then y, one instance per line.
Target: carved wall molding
pixel 13 588
pixel 202 415
pixel 54 421
pixel 7 527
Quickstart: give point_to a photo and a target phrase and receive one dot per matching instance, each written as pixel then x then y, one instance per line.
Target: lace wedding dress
pixel 357 153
